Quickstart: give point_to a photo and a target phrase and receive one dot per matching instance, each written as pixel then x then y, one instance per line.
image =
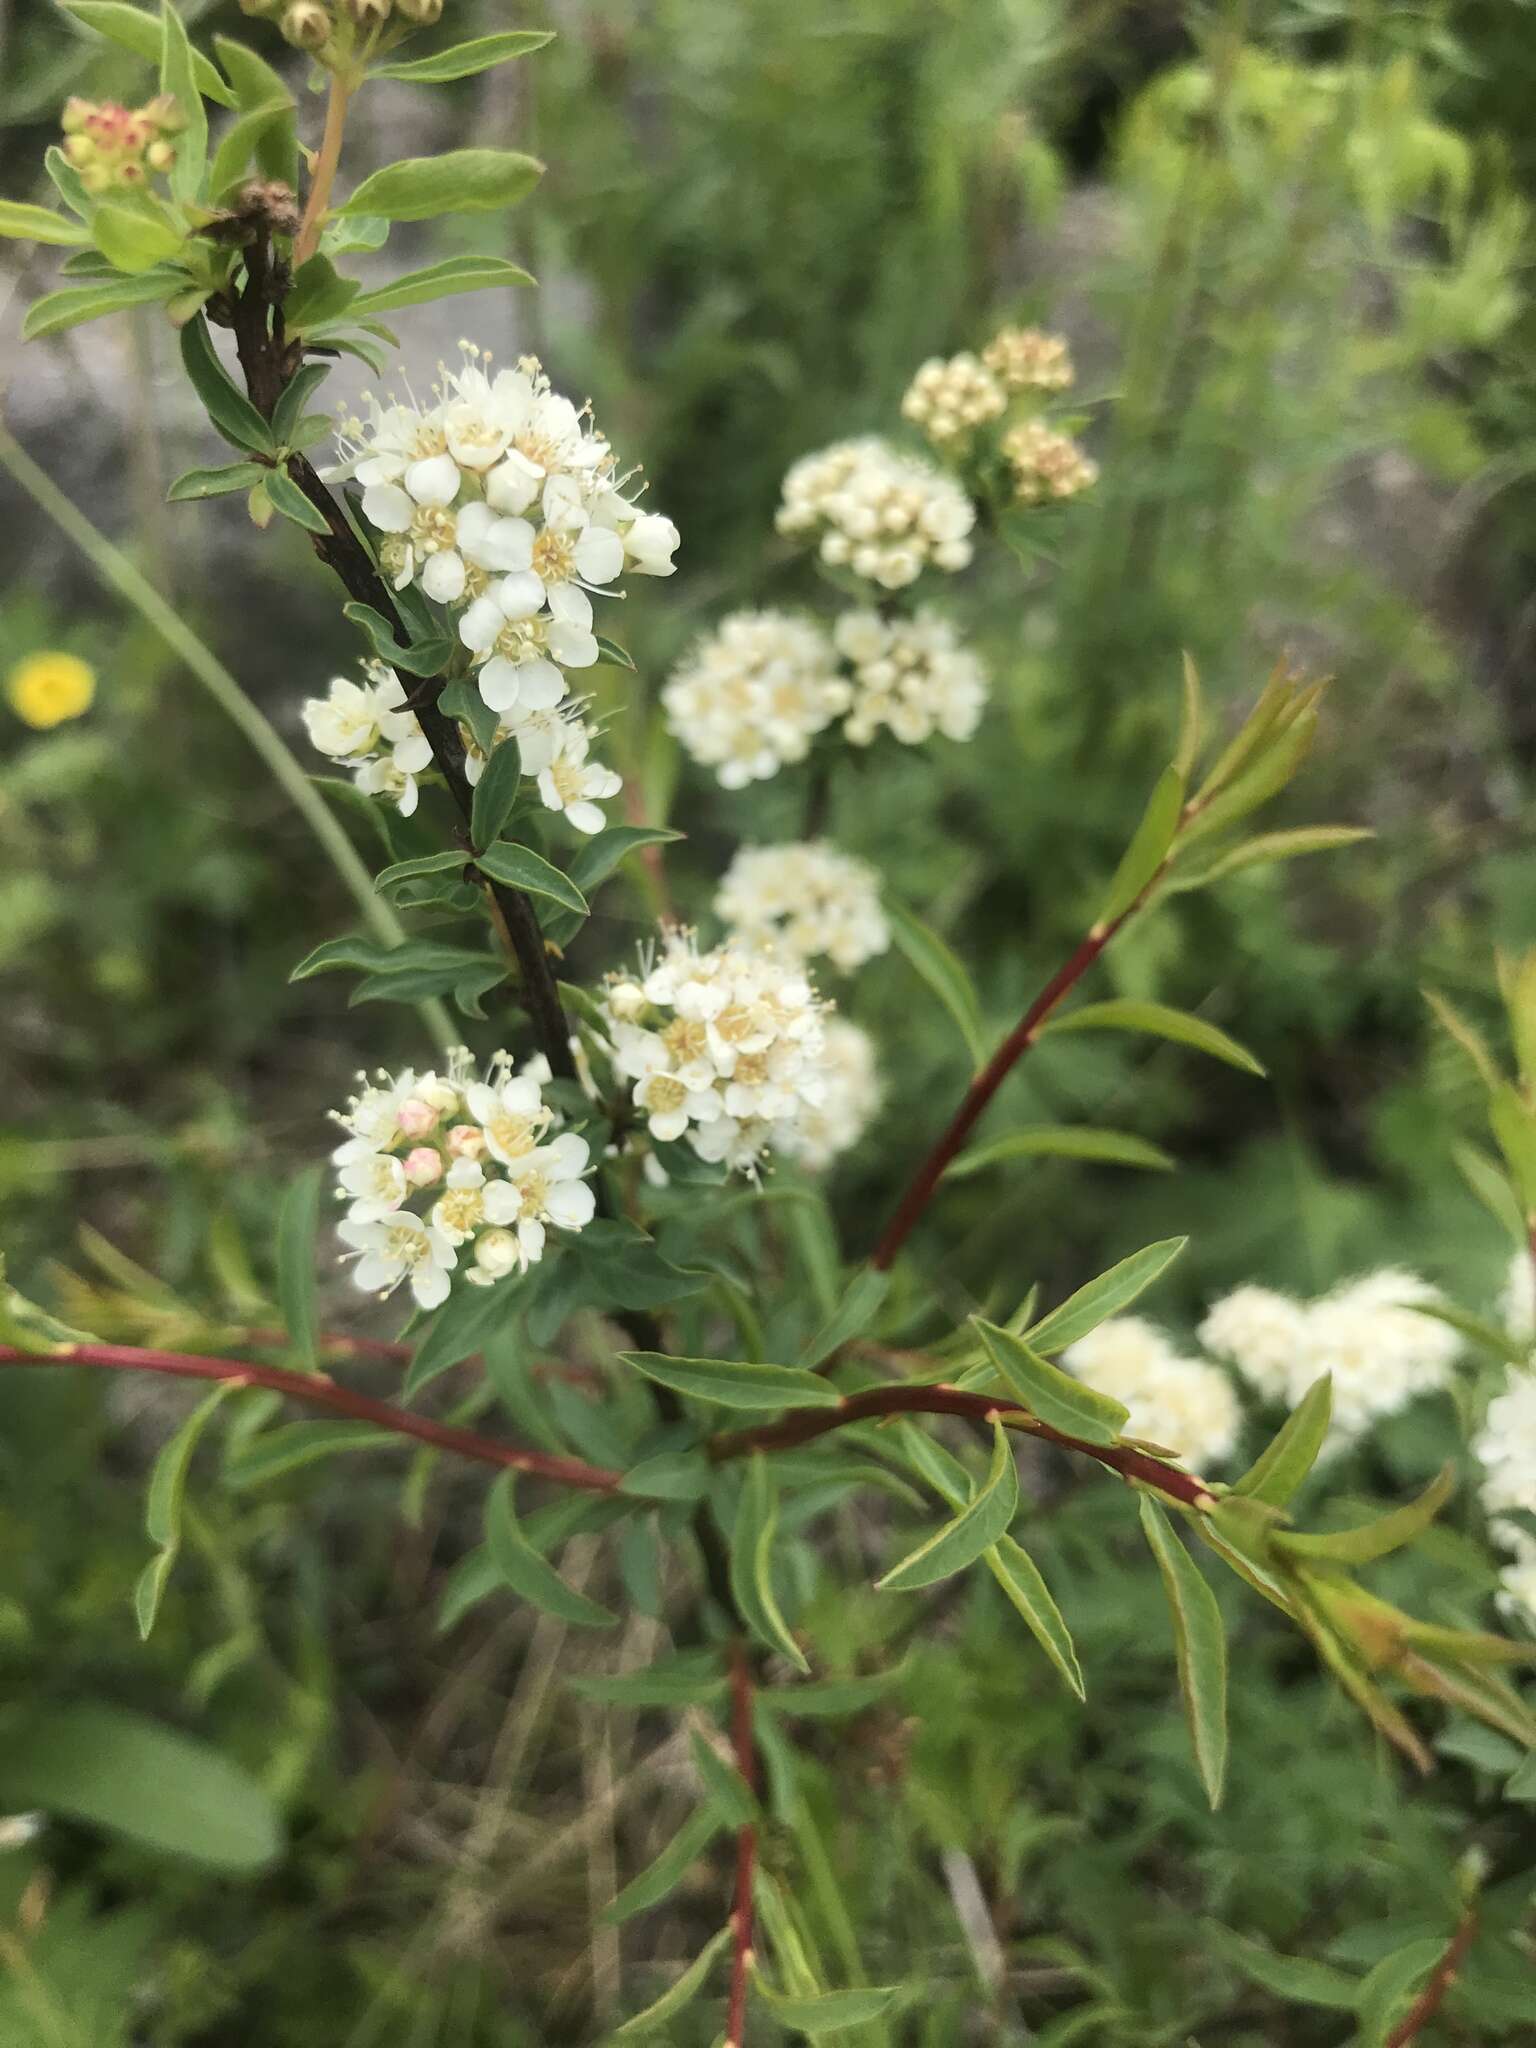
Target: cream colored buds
pixel 306 25
pixel 422 12
pixel 366 13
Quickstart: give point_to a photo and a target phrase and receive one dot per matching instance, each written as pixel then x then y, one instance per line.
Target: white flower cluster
pixel 1184 1405
pixel 1046 464
pixel 367 727
pixel 501 501
pixel 1368 1334
pixel 851 1095
pixel 1029 359
pixel 753 694
pixel 481 1154
pixel 913 676
pixel 1505 1447
pixel 806 898
pixel 882 513
pixel 949 398
pixel 725 1049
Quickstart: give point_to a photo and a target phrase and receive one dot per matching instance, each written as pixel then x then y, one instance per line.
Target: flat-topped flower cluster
pixel 483 1160
pixel 806 898
pixel 883 513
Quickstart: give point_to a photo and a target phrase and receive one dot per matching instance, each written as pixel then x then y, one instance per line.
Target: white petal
pixel 570 1155
pixel 572 646
pixel 503 1203
pixel 443 577
pixel 520 595
pixel 434 481
pixel 430 1285
pixel 506 545
pixel 530 1235
pixel 512 486
pixel 501 683
pixel 373 1273
pixel 569 603
pixel 585 817
pixel 542 684
pixel 571 1204
pixel 388 508
pixel 599 555
pixel 481 624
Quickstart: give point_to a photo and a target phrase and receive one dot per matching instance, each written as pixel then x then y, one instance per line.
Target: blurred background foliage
pixel 1289 243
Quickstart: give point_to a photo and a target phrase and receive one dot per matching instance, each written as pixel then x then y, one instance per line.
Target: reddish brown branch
pixel 806 1424
pixel 1444 1975
pixel 746 1848
pixel 316 1391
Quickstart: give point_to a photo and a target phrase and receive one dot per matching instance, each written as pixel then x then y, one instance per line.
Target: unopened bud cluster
pixel 948 400
pixel 1046 464
pixel 880 512
pixel 117 147
pixel 1029 359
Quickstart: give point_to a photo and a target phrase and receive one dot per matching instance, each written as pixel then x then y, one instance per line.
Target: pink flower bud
pixel 416 1117
pixel 467 1141
pixel 423 1165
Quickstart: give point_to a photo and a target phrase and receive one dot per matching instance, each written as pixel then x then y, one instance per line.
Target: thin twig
pixel 326 165
pixel 745 1749
pixel 1443 1976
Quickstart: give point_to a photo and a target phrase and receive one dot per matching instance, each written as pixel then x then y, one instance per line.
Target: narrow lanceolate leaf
pixel 495 793
pixel 72 307
pixel 1266 849
pixel 1201 1645
pixel 677 1997
pixel 137 29
pixel 1160 1021
pixel 257 85
pixel 1378 1538
pixel 757 1519
pixel 529 1575
pixel 227 406
pixel 1045 1390
pixel 215 483
pixel 134 239
pixel 1018 1575
pixel 292 503
pixel 686 1678
pixel 425 864
pixel 595 860
pixel 1280 1468
pixel 520 868
pixel 724 1785
pixel 974 1530
pixel 1387 1990
pixel 1467 1036
pixel 1491 1186
pixel 1188 750
pixel 447 280
pixel 298 1223
pixel 178 76
pixel 294 1445
pixel 1062 1141
pixel 458 181
pixel 732 1383
pixel 23 223
pixel 1148 848
pixel 421 658
pixel 465 59
pixel 851 1317
pixel 941 969
pixel 1489 1337
pixel 240 141
pixel 162 1511
pixel 1104 1297
pixel 826 2012
pixel 1513 1123
pixel 459 1328
pixel 670 1867
pixel 1294 1978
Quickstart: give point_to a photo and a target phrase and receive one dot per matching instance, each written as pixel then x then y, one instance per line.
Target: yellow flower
pixel 45 689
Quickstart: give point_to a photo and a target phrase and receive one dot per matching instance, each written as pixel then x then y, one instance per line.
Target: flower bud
pixel 415 1117
pixel 366 13
pixel 626 999
pixel 163 112
pixel 423 1165
pixel 96 179
pixel 160 156
pixel 440 1095
pixel 423 12
pixel 75 115
pixel 130 175
pixel 306 25
pixel 497 1253
pixel 466 1141
pixel 79 149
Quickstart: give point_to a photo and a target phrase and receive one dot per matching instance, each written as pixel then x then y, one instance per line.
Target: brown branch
pixel 804 1425
pixel 327 163
pixel 746 1848
pixel 316 1391
pixel 1444 1975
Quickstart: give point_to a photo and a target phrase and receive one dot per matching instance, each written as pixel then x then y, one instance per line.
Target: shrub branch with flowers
pixel 577 1163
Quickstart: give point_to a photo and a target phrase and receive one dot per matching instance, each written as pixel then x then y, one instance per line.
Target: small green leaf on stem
pixel 1062 1141
pixel 751 1562
pixel 458 181
pixel 1201 1647
pixel 1377 1538
pixel 733 1383
pixel 945 975
pixel 529 1575
pixel 162 1513
pixel 1280 1468
pixel 1105 1296
pixel 520 868
pixel 214 483
pixel 670 1867
pixel 677 1997
pixel 1019 1576
pixel 1159 1020
pixel 227 406
pixel 973 1531
pixel 288 499
pixel 1148 848
pixel 446 280
pixel 22 223
pixel 496 793
pixel 298 1223
pixel 1058 1399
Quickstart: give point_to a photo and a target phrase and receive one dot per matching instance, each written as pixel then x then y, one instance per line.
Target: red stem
pixel 806 1424
pixel 746 1848
pixel 319 1392
pixel 921 1188
pixel 1432 1997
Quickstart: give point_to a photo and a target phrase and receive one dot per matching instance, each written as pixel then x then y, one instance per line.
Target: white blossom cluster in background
pixel 911 675
pixel 880 512
pixel 753 694
pixel 1186 1405
pixel 1382 1353
pixel 367 727
pixel 1045 463
pixel 482 1161
pixel 501 501
pixel 724 1048
pixel 1505 1447
pixel 950 398
pixel 807 898
pixel 851 1094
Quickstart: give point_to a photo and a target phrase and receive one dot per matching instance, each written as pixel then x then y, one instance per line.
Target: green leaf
pixel 136 29
pixel 1125 1014
pixel 22 223
pixel 1294 1978
pixel 451 859
pixel 1061 1141
pixel 686 1678
pixel 1060 1400
pixel 459 1329
pixel 162 1512
pixel 519 867
pixel 1489 1337
pixel 495 794
pixel 677 1997
pixel 1488 1182
pixel 178 76
pixel 1148 848
pixel 751 1563
pixel 294 1445
pixel 824 2012
pixel 526 1572
pixel 298 1224
pixel 933 960
pixel 1467 1036
pixel 1274 764
pixel 229 408
pixel 56 311
pixel 611 653
pixel 131 1776
pixel 1188 750
pixel 724 1785
pixel 258 85
pixel 670 1867
pixel 319 295
pixel 288 499
pixel 1201 1645
pixel 1016 1572
pixel 1265 849
pixel 372 956
pixel 1522 1785
pixel 65 180
pixel 851 1318
pixel 465 59
pixel 1385 1991
pixel 1105 1296
pixel 834 1697
pixel 458 181
pixel 974 1530
pixel 1280 1468
pixel 1378 1538
pixel 670 1475
pixel 214 483
pixel 1514 1126
pixel 733 1383
pixel 421 658
pixel 447 280
pixel 240 142
pixel 596 858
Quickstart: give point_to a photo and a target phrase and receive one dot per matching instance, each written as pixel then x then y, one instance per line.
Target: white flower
pixel 949 399
pixel 1029 359
pixel 376 1183
pixel 402 1247
pixel 807 898
pixel 1182 1404
pixel 576 786
pixel 1261 1333
pixel 344 724
pixel 1505 1447
pixel 822 1131
pixel 512 1112
pixel 883 514
pixel 1046 464
pixel 650 541
pixel 371 726
pixel 542 1187
pixel 752 695
pixel 1517 1304
pixel 912 676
